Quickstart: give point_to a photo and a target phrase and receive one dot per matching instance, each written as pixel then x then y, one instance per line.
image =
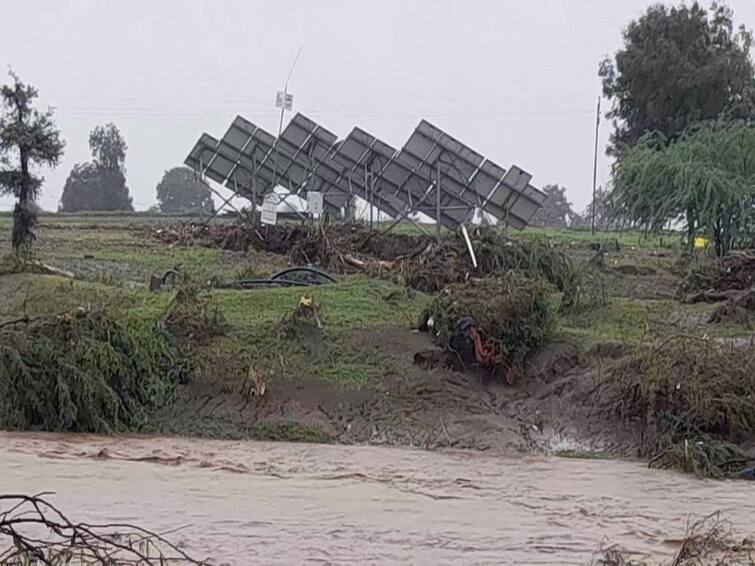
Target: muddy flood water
pixel 276 503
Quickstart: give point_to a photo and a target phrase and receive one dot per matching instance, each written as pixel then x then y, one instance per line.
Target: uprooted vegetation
pixel 422 262
pixel 730 281
pixel 491 323
pixel 84 371
pixel 734 271
pixel 105 367
pixel 692 401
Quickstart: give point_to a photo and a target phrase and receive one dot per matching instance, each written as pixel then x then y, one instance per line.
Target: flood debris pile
pixel 739 309
pixel 692 401
pixel 709 540
pixel 733 272
pixel 325 244
pixel 84 371
pixel 493 324
pixel 448 261
pixel 422 262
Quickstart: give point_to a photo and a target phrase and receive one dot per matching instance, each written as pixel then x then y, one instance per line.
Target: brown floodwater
pixel 278 503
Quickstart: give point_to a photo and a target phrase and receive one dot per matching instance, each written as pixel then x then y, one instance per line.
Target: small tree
pixel 706 177
pixel 181 190
pixel 31 139
pixel 678 66
pixel 557 211
pixel 99 185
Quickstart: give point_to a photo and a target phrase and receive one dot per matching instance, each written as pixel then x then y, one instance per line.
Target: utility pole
pixel 595 168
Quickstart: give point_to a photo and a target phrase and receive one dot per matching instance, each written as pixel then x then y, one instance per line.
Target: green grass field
pixel 113 260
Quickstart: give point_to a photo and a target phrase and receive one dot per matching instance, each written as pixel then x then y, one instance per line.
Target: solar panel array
pixel 307 157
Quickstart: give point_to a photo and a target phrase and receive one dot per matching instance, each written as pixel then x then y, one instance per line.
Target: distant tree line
pixel 558 212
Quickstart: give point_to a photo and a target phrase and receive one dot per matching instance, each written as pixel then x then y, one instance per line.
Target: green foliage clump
pixel 511 313
pixel 101 184
pixel 678 65
pixel 85 372
pixel 704 457
pixel 694 395
pixel 94 188
pixel 447 262
pixel 707 177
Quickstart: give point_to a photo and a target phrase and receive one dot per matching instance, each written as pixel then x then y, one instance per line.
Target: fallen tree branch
pixel 363 265
pixel 85 543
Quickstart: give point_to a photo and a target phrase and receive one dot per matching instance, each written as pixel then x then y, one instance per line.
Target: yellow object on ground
pixel 702 243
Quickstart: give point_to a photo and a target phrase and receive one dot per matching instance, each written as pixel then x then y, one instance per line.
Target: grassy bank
pixel 262 372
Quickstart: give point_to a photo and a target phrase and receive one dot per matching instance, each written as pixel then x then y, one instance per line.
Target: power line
pixel 345 114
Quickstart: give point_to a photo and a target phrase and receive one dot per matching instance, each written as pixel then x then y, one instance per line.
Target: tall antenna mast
pixel 284 100
pixel 595 168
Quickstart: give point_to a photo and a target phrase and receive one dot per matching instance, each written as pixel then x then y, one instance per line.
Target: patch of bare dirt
pixel 428 406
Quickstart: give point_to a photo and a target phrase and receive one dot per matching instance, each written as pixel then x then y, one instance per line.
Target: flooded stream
pixel 276 503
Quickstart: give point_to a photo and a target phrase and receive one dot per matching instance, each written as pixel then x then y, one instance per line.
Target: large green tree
pixel 99 185
pixel 181 190
pixel 705 177
pixel 678 65
pixel 91 187
pixel 29 139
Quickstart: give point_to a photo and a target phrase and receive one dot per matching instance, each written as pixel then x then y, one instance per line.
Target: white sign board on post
pixel 284 100
pixel 314 202
pixel 270 209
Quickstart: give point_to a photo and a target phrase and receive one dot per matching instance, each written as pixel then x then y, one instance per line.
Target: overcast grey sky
pixel 514 79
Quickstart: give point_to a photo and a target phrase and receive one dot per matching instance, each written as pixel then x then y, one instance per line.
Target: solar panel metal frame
pixel 421 186
pixel 515 189
pixel 429 150
pixel 397 181
pixel 458 163
pixel 307 157
pixel 250 145
pixel 260 158
pixel 364 157
pixel 506 195
pixel 312 145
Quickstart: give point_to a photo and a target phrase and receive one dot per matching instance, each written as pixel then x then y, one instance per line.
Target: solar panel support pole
pixel 368 187
pixel 254 190
pixel 437 196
